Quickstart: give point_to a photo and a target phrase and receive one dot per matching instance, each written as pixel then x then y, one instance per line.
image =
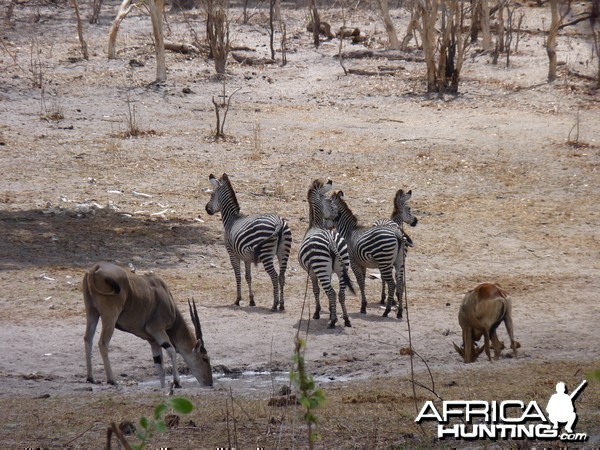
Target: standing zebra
pixel 251 239
pixel 401 213
pixel 380 246
pixel 324 251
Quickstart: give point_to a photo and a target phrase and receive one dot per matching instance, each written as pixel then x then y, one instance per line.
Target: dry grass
pixel 370 414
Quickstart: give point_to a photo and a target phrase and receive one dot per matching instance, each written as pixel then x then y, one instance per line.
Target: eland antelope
pixel 141 305
pixel 483 309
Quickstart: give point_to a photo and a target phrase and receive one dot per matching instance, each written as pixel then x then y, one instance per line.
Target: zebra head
pixel 402 210
pixel 222 198
pixel 322 211
pixel 214 204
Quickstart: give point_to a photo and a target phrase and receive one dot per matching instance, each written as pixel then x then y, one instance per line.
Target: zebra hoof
pixel 274 308
pixel 281 307
pixel 237 303
pixel 252 303
pixel 316 316
pixel 347 323
pixel 386 312
pixel 363 310
pixel 399 314
pixel 331 324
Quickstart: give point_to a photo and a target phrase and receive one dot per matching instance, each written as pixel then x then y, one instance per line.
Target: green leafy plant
pixel 310 396
pixel 150 426
pixel 157 424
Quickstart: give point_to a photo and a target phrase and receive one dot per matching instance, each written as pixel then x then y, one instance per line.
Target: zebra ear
pixel 327 187
pixel 213 180
pixel 340 195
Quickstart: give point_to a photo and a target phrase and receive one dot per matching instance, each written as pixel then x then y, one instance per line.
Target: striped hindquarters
pixel 253 237
pixel 322 251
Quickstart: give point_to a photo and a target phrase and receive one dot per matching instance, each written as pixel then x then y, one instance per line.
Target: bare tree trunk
pixel 429 14
pixel 316 20
pixel 156 8
pixel 551 41
pixel 96 11
pixel 413 25
pixel 462 43
pixel 84 48
pixel 389 25
pixel 485 25
pixel 124 9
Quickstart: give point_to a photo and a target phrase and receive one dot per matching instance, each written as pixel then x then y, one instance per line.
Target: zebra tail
pixel 258 249
pixel 348 281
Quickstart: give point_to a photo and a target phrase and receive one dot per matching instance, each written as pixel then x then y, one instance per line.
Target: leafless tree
pixel 559 10
pixel 217 32
pixel 394 43
pixel 156 8
pixel 444 49
pixel 124 9
pixel 84 48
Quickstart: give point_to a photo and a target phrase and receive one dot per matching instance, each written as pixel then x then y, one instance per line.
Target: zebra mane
pixel 315 185
pixel 396 210
pixel 225 179
pixel 346 211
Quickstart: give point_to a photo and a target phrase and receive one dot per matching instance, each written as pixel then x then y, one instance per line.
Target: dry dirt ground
pixel 500 193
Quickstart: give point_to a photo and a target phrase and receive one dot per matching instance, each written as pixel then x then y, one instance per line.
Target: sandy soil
pixel 500 194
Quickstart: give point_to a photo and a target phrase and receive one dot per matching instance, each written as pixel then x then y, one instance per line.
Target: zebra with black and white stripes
pixel 400 214
pixel 251 239
pixel 378 246
pixel 324 251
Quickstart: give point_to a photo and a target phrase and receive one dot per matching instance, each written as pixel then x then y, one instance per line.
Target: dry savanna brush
pixel 113 116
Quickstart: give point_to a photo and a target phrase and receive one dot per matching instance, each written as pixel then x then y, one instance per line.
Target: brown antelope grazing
pixel 141 305
pixel 483 309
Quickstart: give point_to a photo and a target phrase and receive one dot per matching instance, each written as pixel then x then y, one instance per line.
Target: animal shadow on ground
pixel 71 239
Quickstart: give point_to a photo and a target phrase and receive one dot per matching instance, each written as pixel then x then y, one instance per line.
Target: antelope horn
pixel 460 351
pixel 195 319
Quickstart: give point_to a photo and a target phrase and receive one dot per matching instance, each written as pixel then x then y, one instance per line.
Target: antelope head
pixel 199 361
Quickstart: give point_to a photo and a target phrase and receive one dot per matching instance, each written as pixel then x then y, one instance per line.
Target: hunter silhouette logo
pixel 560 406
pixel 508 419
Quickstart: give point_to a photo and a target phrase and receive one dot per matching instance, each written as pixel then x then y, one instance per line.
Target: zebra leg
pixel 332 307
pixel 268 265
pixel 399 291
pixel 342 298
pixel 283 255
pixel 360 273
pixel 387 277
pixel 281 285
pixel 316 292
pixel 235 263
pixel 248 266
pixel 383 296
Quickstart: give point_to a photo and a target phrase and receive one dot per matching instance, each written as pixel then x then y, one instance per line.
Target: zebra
pixel 401 213
pixel 324 251
pixel 380 246
pixel 251 239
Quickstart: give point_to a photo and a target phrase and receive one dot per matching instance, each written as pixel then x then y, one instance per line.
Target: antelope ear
pixel 199 347
pixel 459 350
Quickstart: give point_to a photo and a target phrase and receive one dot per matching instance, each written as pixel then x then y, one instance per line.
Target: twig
pixel 114 429
pixel 66 444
